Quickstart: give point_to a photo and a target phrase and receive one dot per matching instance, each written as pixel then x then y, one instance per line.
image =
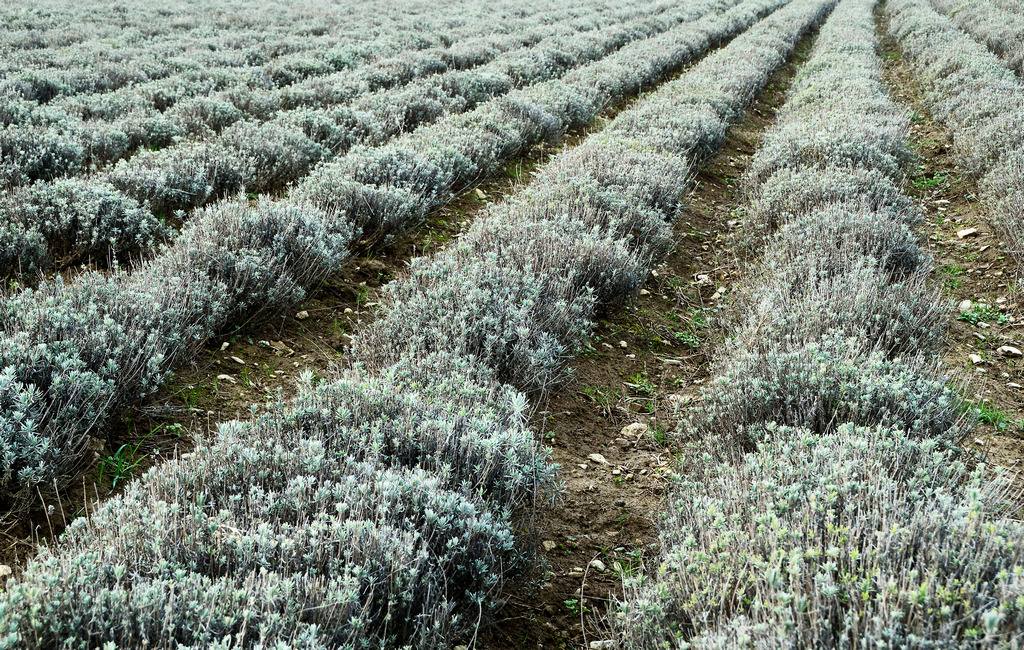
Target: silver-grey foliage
pixel 376 510
pixel 68 220
pixel 977 97
pixel 235 261
pixel 826 503
pixel 999 28
pixel 859 537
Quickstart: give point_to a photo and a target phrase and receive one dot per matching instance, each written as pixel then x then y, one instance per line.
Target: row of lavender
pixel 59 145
pixel 825 503
pixel 52 51
pixel 1000 28
pixel 71 356
pixel 379 510
pixel 125 210
pixel 151 63
pixel 978 98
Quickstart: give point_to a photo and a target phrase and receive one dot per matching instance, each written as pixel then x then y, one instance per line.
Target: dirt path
pixel 608 428
pixel 236 374
pixel 973 270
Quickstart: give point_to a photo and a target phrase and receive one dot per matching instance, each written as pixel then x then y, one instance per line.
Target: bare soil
pixel 260 361
pixel 645 365
pixel 974 270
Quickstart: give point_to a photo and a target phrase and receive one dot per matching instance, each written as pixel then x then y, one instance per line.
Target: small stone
pixel 598 458
pixel 584 466
pixel 966 232
pixel 1010 351
pixel 623 344
pixel 281 349
pixel 1013 385
pixel 616 472
pixel 635 429
pixel 622 442
pixel 598 565
pixel 348 310
pixel 302 315
pixel 5 571
pixel 965 306
pixel 716 295
pixel 976 359
pixel 645 292
pixel 549 545
pixel 227 378
pixel 480 193
pixel 224 346
pixel 238 361
pixel 979 442
pixel 609 346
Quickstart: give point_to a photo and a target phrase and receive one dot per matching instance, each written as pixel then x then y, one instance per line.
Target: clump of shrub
pixel 857 536
pixel 821 384
pixel 71 219
pixel 377 510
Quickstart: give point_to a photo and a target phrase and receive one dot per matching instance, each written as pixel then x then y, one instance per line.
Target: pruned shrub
pixel 825 139
pixel 336 129
pixel 822 384
pixel 656 178
pixel 265 539
pixel 375 212
pixel 270 154
pixel 264 257
pixel 792 193
pixel 70 219
pixel 613 211
pixel 838 237
pixel 441 413
pixel 859 537
pixel 199 115
pixel 559 244
pixel 805 301
pixel 68 354
pixel 29 153
pixel 521 323
pixel 180 178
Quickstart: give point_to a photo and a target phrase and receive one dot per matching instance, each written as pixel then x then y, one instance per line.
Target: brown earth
pixel 608 506
pixel 644 365
pixel 971 264
pixel 260 360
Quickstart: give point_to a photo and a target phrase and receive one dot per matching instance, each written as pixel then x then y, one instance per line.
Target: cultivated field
pixel 616 324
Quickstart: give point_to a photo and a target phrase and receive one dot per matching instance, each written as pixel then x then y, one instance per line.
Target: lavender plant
pixel 1001 29
pixel 825 502
pixel 827 541
pixel 377 509
pixel 975 95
